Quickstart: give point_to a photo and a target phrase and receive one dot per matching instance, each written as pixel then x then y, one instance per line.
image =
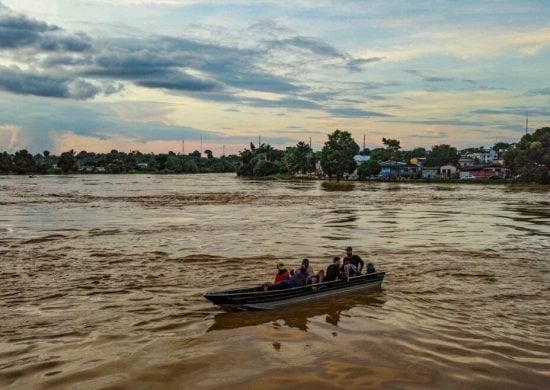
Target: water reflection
pixel 299 316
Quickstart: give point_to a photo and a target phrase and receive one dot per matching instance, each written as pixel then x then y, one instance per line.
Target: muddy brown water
pixel 102 281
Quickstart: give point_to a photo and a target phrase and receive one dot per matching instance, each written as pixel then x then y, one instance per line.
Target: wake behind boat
pixel 256 298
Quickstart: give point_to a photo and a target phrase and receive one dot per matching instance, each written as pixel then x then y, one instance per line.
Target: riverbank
pixel 288 177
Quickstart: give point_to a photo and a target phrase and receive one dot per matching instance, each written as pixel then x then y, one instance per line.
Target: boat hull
pixel 257 299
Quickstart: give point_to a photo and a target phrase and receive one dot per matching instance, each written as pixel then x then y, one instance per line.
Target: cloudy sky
pixel 98 75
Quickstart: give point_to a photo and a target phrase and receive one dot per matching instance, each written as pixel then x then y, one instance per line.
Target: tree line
pixel 528 159
pixel 23 162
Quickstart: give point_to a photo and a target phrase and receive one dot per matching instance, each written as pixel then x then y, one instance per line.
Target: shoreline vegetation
pixel 526 161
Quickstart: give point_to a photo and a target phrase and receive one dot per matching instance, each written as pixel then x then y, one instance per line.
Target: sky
pixel 146 75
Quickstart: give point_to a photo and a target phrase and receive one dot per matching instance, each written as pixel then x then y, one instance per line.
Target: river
pixel 102 280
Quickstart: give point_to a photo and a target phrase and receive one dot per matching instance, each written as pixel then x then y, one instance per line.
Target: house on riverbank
pixel 491 171
pixel 443 172
pixel 393 169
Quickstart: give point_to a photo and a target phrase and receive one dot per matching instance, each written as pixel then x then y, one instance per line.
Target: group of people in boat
pixel 340 269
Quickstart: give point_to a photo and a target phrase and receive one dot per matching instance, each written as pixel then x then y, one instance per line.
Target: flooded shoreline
pixel 102 277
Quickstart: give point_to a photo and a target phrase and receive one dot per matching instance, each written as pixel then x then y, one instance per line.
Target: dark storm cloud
pixel 74 66
pixel 313 45
pixel 179 82
pixel 81 90
pixel 537 92
pixel 18 31
pixel 355 112
pixel 154 62
pixel 356 64
pixel 323 50
pixel 15 80
pixel 519 111
pixel 291 103
pixel 158 62
pixel 431 79
pixel 450 122
pixel 24 83
pixel 56 60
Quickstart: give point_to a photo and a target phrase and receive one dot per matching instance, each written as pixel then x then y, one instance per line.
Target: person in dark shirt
pixel 334 271
pixel 353 264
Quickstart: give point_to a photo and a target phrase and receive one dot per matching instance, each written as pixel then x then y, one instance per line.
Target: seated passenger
pixel 298 278
pixel 370 268
pixel 282 273
pixel 334 271
pixel 314 278
pixel 353 264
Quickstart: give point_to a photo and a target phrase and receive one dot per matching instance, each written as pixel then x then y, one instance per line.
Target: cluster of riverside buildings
pixel 485 165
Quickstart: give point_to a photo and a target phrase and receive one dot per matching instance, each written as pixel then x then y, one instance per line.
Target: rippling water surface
pixel 102 277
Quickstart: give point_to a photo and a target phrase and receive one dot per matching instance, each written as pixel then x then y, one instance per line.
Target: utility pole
pixel 201 145
pixel 182 146
pixel 259 140
pixel 223 148
pixel 364 141
pixel 526 121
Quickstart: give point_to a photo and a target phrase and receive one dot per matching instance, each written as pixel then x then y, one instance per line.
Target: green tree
pixel 501 148
pixel 249 161
pixel 67 162
pixel 246 163
pixel 368 168
pixel 161 160
pixel 6 164
pixel 530 159
pixel 174 164
pixel 392 148
pixel 299 158
pixel 442 155
pixel 190 166
pixel 41 164
pixel 337 154
pixel 379 154
pixel 408 155
pixel 23 162
pixel 264 168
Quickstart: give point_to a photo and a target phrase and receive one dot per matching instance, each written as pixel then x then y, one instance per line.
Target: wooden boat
pixel 256 298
